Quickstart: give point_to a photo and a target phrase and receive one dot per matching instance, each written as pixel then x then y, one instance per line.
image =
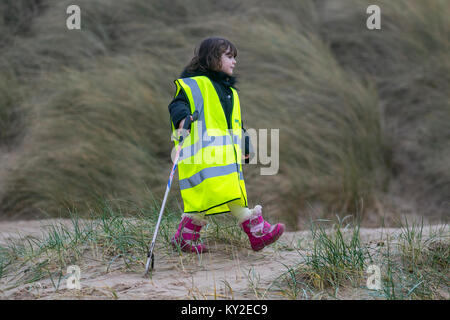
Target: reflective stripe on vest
pixel 206 173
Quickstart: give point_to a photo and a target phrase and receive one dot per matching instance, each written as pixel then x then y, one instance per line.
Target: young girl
pixel 213 187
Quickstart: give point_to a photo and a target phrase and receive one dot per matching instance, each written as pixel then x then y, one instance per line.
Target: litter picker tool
pixel 187 124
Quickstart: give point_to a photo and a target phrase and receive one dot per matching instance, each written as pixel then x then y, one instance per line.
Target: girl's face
pixel 228 62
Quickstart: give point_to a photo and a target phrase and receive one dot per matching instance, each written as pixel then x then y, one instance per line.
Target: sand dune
pixel 225 272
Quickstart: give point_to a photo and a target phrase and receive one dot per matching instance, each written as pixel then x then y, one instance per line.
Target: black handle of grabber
pixel 188 122
pixel 153 260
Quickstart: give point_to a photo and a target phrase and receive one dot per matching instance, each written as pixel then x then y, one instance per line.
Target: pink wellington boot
pixel 260 232
pixel 187 236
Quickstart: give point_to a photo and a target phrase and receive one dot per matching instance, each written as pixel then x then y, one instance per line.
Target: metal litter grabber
pixel 187 124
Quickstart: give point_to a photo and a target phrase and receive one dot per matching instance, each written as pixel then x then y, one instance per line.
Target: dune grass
pixel 333 258
pixel 362 115
pixel 108 236
pixel 333 264
pixel 408 61
pixel 13 114
pixel 417 267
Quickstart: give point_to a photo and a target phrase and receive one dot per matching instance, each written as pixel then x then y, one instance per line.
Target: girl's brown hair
pixel 208 56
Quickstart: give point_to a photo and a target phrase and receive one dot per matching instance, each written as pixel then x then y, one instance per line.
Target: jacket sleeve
pixel 179 108
pixel 248 147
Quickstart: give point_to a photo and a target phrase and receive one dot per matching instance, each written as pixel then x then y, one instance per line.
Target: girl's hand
pixel 180 126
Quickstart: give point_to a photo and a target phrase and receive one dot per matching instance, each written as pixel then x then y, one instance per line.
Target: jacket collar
pixel 218 76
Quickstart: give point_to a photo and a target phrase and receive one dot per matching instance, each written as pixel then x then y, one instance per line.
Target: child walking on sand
pixel 210 162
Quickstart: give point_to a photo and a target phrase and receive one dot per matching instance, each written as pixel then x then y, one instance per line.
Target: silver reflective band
pixel 206 141
pixel 214 141
pixel 196 95
pixel 206 173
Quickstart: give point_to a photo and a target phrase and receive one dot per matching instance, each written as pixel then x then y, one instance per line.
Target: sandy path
pixel 225 272
pixel 222 272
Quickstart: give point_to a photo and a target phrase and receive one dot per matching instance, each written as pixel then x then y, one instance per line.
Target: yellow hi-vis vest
pixel 210 163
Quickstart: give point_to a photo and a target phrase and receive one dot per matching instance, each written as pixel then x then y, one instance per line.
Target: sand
pixel 224 272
